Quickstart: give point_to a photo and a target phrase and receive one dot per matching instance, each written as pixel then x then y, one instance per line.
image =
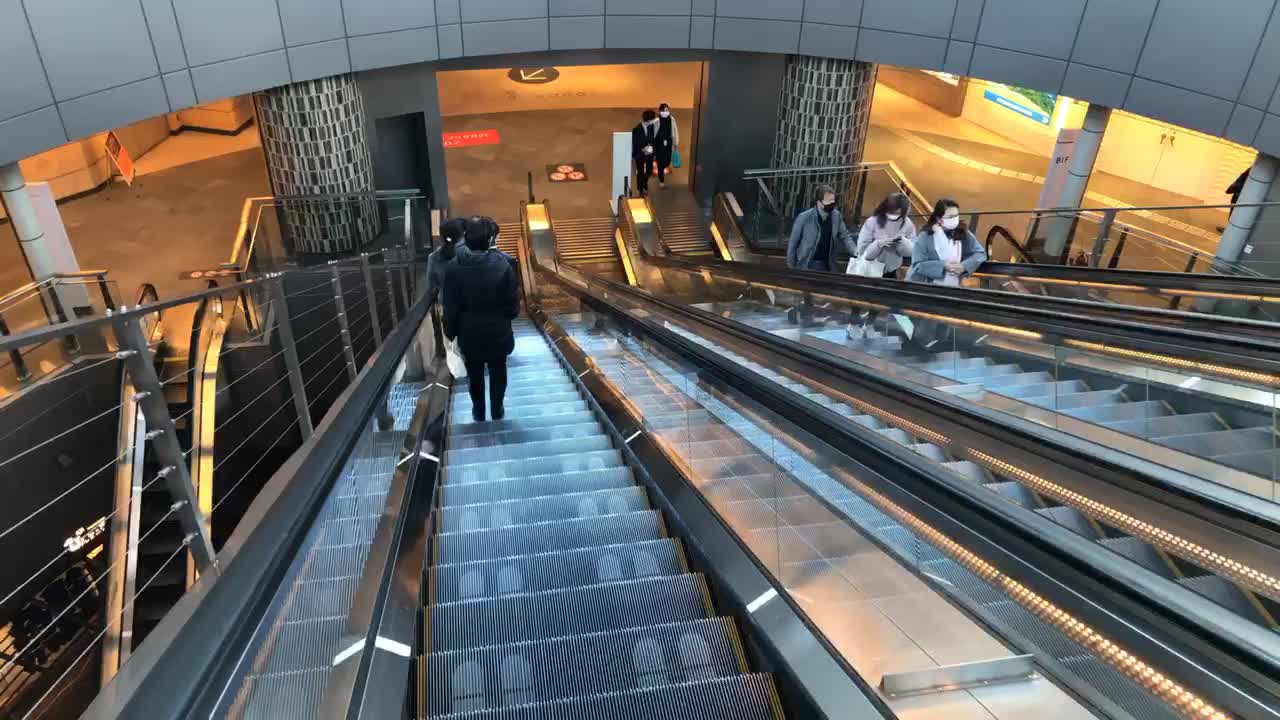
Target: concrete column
pixel 824 111
pixel 26 224
pixel 1240 226
pixel 1084 154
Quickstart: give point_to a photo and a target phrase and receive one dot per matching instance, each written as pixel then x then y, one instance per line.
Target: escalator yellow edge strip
pixel 680 556
pixel 720 246
pixel 736 638
pixel 775 702
pixel 706 596
pixel 625 256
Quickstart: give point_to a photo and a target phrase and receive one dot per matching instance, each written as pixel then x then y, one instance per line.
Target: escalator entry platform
pixel 554 588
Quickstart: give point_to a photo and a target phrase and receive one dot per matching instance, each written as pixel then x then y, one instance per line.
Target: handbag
pixel 865 268
pixel 675 157
pixel 453 357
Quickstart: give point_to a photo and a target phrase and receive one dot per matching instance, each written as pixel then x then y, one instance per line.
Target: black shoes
pixel 477 414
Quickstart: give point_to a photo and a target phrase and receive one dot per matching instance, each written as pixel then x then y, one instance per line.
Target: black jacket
pixel 481 298
pixel 665 145
pixel 642 135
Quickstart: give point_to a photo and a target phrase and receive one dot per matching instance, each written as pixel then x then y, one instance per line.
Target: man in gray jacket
pixel 815 233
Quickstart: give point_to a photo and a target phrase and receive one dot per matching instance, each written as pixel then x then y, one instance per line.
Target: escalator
pixel 663 489
pixel 550 555
pixel 1227 295
pixel 1187 391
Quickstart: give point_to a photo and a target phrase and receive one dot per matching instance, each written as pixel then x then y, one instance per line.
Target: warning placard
pixel 467 138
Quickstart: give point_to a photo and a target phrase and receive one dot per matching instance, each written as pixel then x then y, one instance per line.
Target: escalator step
pixel 524 451
pixel 1193 423
pixel 1140 410
pixel 1014 492
pixel 462 401
pixel 1140 552
pixel 467 429
pixel 517 437
pixel 1071 519
pixel 546 465
pixel 536 486
pixel 1227 442
pixel 551 571
pixel 1265 463
pixel 549 536
pixel 971 471
pixel 462 417
pixel 584 665
pixel 466 518
pixel 562 613
pixel 1224 593
pixel 743 697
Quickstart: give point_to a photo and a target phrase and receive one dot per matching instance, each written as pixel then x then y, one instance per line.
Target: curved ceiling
pixel 75 67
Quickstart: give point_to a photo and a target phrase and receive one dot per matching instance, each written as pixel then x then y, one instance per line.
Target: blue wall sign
pixel 1023 110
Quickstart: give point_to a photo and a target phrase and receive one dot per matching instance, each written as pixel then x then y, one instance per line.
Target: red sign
pixel 120 157
pixel 471 137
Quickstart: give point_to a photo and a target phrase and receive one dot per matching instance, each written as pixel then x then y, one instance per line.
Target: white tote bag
pixel 453 356
pixel 865 268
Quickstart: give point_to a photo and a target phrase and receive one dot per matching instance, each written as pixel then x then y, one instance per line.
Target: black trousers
pixel 644 168
pixel 497 367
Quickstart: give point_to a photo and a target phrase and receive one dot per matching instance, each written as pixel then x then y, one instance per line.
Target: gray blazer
pixel 927 267
pixel 805 233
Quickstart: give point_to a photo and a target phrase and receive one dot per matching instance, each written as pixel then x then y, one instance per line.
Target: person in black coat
pixel 481 298
pixel 644 149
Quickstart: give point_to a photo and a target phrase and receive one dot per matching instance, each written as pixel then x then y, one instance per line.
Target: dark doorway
pixel 400 153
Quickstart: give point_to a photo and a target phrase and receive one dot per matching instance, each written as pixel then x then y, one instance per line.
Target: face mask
pixel 827 208
pixel 665 114
pixel 895 217
pixel 950 223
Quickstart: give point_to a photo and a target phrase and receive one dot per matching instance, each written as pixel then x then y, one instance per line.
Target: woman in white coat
pixel 888 235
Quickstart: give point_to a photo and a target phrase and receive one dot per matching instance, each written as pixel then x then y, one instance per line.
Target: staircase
pixel 554 589
pixel 586 240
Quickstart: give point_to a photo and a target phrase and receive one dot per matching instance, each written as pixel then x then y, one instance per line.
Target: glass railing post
pixel 290 349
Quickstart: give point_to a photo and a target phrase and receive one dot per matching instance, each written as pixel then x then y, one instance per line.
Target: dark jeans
pixel 820 264
pixel 497 367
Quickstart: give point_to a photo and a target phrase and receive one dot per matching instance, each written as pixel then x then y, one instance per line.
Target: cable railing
pixel 150 451
pixel 1156 238
pixel 54 300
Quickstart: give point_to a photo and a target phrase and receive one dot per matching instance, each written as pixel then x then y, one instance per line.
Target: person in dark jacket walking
pixel 818 233
pixel 481 298
pixel 644 149
pixel 453 243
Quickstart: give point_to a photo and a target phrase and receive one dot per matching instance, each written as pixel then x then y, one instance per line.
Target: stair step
pixel 510 424
pixel 1139 552
pixel 1120 411
pixel 641 658
pixel 1226 442
pixel 563 613
pixel 570 506
pixel 518 451
pixel 462 400
pixel 1169 425
pixel 568 462
pixel 455 547
pixel 551 571
pixel 517 437
pixel 536 486
pixel 742 697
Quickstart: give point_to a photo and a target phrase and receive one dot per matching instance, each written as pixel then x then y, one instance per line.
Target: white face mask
pixel 665 113
pixel 894 217
pixel 950 223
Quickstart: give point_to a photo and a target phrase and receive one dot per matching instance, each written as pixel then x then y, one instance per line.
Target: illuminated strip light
pixel 1154 681
pixel 1183 363
pixel 1197 554
pixel 720 246
pixel 1222 295
pixel 1059 281
pixel 626 258
pixel 975 324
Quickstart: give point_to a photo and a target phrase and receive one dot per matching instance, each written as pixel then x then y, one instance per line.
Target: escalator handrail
pixel 194 649
pixel 1190 616
pixel 1239 342
pixel 1148 279
pixel 1009 238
